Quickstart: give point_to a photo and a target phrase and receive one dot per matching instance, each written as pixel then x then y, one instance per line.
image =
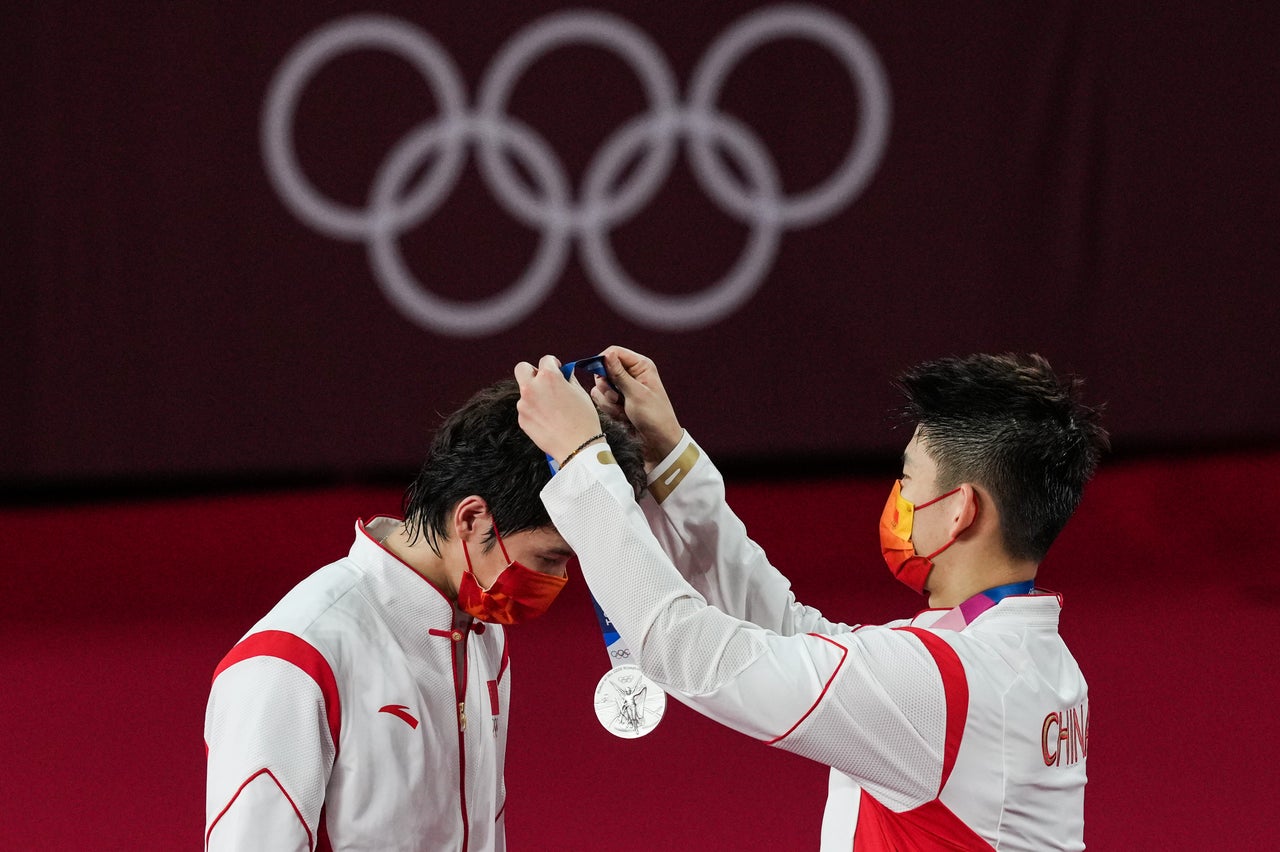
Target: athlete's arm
pixel 687 513
pixel 270 738
pixel 707 542
pixel 871 703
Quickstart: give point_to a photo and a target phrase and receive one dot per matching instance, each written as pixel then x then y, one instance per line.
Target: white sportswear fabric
pixel 272 771
pixel 868 701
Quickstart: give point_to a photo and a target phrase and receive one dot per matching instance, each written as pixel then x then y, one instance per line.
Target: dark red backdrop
pixel 115 616
pixel 1096 181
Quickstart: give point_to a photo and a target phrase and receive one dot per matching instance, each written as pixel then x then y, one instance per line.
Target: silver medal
pixel 628 704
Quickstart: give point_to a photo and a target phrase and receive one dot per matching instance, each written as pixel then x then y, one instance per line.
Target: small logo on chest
pixel 400 711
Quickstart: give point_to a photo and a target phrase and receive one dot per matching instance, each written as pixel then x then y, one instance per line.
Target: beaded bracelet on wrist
pixel 580 448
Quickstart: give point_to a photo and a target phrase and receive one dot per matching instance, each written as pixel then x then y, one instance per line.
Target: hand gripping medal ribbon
pixel 627 703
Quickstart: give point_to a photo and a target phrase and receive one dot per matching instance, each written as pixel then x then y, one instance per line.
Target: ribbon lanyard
pixel 619 653
pixel 627 703
pixel 999 593
pixel 983 601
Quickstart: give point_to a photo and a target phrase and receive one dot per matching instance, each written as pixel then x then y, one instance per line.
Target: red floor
pixel 115 616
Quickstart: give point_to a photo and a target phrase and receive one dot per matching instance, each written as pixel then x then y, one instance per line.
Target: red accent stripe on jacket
pixel 955 687
pixel 268 773
pixel 292 649
pixel 932 827
pixel 844 653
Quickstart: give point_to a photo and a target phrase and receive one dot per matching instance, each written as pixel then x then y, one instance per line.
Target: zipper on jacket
pixel 458 645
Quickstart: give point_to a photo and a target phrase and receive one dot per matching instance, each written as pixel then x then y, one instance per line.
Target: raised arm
pixel 871 703
pixel 686 506
pixel 710 546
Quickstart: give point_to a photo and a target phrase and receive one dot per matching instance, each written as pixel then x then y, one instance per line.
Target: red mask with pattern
pixel 895 539
pixel 518 594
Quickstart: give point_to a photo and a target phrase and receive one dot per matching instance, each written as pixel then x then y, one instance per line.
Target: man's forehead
pixel 917 452
pixel 912 448
pixel 548 538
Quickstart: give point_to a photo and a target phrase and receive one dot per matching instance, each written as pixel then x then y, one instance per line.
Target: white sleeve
pixel 872 707
pixel 687 512
pixel 500 833
pixel 270 753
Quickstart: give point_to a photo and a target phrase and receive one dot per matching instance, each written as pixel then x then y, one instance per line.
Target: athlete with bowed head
pixel 369 708
pixel 965 727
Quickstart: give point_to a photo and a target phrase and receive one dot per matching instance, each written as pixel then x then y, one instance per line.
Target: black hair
pixel 480 449
pixel 1009 424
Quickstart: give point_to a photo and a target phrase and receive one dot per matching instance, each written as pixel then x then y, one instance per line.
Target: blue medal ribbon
pixel 999 593
pixel 975 606
pixel 606 626
pixel 619 653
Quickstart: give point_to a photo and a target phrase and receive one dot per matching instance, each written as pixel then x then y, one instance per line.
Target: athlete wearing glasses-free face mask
pixel 372 703
pixel 522 584
pixel 911 538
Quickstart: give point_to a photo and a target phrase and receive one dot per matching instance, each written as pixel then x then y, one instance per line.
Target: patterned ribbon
pixel 619 652
pixel 963 615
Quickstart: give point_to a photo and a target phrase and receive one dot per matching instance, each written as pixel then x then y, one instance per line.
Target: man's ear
pixel 973 506
pixel 471 519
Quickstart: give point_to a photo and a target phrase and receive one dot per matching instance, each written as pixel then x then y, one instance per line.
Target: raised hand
pixel 643 403
pixel 556 414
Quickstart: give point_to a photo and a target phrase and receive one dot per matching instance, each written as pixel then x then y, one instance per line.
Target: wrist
pixel 658 446
pixel 594 439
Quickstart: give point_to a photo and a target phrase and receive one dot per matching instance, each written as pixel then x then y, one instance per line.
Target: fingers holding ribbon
pixel 608 400
pixel 647 406
pixel 556 414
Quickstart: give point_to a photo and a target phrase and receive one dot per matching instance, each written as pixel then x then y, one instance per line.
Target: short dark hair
pixel 480 449
pixel 1009 424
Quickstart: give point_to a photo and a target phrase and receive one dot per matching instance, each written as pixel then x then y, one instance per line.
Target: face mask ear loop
pixel 920 506
pixel 957 535
pixel 466 553
pixel 501 546
pixel 940 549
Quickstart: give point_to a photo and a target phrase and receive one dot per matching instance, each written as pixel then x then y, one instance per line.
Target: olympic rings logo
pixel 602 202
pixel 620 654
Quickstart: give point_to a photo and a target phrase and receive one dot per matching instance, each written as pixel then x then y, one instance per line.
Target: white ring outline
pixel 449 316
pixel 341 36
pixel 693 310
pixel 387 215
pixel 593 28
pixel 859 59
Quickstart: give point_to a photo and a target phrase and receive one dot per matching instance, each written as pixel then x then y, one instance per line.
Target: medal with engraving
pixel 628 704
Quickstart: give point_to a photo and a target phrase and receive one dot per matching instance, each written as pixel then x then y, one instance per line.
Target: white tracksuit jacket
pixel 937 739
pixel 360 713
